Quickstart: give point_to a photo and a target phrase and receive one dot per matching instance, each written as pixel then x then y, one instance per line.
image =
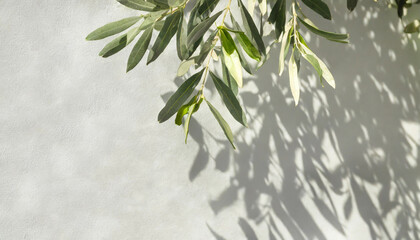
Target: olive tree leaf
pixel 223 124
pixel 278 16
pixel 400 6
pixel 233 64
pixel 293 78
pixel 227 77
pixel 198 32
pixel 231 57
pixel 119 43
pixel 316 62
pixel 179 97
pixel 319 7
pixel 181 39
pixel 285 42
pixel 207 7
pixel 262 4
pixel 351 4
pixel 229 98
pixel 184 110
pixel 112 28
pixel 191 109
pixel 251 28
pixel 139 49
pixel 251 7
pixel 140 5
pixel 337 37
pixel 187 121
pixel 150 19
pixel 413 27
pixel 168 31
pixel 185 66
pixel 207 47
pixel 249 48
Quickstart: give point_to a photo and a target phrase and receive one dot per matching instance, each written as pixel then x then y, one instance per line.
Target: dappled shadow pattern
pixel 343 154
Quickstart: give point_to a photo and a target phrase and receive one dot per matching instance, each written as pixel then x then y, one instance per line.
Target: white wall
pixel 83 157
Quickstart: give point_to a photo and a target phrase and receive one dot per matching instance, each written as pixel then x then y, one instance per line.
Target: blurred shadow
pixel 341 156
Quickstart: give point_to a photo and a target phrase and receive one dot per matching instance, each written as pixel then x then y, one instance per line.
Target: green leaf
pixel 319 7
pixel 140 5
pixel 112 28
pixel 337 37
pixel 207 7
pixel 207 47
pixel 139 49
pixel 263 6
pixel 198 32
pixel 223 124
pixel 185 108
pixel 248 46
pixel 230 100
pixel 233 64
pixel 158 25
pixel 227 41
pixel 150 19
pixel 351 4
pixel 325 72
pixel 278 16
pixel 191 109
pixel 251 28
pixel 179 97
pixel 168 31
pixel 293 78
pixel 285 42
pixel 227 77
pixel 119 43
pixel 185 66
pixel 176 3
pixel 181 39
pixel 413 27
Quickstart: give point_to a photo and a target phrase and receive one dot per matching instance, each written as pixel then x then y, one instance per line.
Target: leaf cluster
pixel 207 39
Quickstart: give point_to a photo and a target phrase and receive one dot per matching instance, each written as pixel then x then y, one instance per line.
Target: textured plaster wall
pixel 83 157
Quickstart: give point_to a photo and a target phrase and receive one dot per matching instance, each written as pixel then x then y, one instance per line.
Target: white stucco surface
pixel 82 155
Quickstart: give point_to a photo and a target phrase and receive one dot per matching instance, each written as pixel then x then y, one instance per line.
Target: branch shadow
pixel 341 156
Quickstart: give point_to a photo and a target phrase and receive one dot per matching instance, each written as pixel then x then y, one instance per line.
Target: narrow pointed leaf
pixel 319 7
pixel 326 74
pixel 168 31
pixel 185 66
pixel 328 35
pixel 285 42
pixel 223 124
pixel 140 5
pixel 413 27
pixel 207 47
pixel 150 19
pixel 249 48
pixel 112 28
pixel 187 121
pixel 227 41
pixel 351 4
pixel 139 49
pixel 181 39
pixel 119 43
pixel 179 97
pixel 198 32
pixel 207 7
pixel 227 77
pixel 233 64
pixel 251 28
pixel 293 78
pixel 230 100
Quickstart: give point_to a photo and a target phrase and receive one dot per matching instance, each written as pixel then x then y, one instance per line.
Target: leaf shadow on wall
pixel 341 154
